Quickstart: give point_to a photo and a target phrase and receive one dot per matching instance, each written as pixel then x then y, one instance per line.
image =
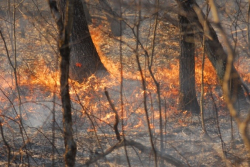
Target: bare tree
pixel 64 27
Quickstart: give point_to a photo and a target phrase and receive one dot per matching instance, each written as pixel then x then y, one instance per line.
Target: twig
pixel 242 124
pixel 248 25
pixel 202 74
pixel 121 22
pixel 14 67
pixel 180 154
pixel 88 115
pixel 143 84
pixel 54 122
pixel 5 142
pixel 218 125
pixel 157 84
pixel 116 115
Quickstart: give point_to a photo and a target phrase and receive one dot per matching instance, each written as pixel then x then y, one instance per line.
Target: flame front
pixel 89 98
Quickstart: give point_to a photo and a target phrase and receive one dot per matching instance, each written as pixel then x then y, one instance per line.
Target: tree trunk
pixel 85 60
pixel 215 51
pixel 64 28
pixel 187 96
pixel 86 12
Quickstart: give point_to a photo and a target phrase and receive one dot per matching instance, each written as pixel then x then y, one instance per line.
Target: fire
pixel 90 93
pixel 109 116
pixel 241 65
pixel 138 125
pixel 41 75
pixel 182 123
pixel 210 76
pixel 114 68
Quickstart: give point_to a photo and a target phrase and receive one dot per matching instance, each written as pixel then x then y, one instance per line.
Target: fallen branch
pixel 144 149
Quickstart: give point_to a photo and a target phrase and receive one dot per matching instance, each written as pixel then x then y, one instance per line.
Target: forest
pixel 125 83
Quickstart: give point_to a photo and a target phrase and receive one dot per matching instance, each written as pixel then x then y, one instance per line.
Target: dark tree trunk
pixel 84 57
pixel 64 28
pixel 86 12
pixel 214 50
pixel 187 96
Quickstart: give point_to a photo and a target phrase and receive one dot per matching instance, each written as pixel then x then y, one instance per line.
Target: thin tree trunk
pixel 187 97
pixel 64 27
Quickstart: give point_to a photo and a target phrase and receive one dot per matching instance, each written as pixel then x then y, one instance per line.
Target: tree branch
pixel 146 150
pixel 118 136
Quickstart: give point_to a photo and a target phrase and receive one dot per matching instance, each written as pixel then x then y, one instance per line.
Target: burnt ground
pixel 183 137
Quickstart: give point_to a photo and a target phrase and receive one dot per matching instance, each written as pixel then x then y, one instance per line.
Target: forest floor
pixel 183 137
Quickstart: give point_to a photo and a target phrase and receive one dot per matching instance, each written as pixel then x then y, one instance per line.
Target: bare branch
pixel 118 136
pixel 146 150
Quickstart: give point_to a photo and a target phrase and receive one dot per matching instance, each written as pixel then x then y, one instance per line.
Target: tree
pixel 187 97
pixel 86 12
pixel 84 57
pixel 64 27
pixel 214 50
